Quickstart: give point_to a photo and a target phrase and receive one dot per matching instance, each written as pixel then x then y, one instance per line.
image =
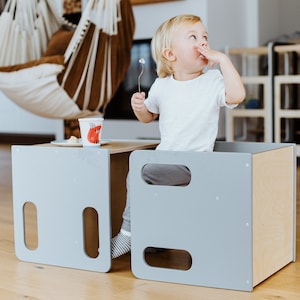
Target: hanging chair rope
pixel 26 27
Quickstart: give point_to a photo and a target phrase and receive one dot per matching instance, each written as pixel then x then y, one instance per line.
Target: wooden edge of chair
pixel 244 50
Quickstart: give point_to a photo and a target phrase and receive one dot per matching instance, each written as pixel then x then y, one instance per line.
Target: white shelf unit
pixel 241 122
pixel 286 112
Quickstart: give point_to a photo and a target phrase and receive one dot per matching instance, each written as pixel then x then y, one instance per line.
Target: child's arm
pixel 234 87
pixel 139 108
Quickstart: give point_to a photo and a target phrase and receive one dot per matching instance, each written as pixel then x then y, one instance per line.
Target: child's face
pixel 186 57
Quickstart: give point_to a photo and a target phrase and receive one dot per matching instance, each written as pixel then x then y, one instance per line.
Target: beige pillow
pixel 36 89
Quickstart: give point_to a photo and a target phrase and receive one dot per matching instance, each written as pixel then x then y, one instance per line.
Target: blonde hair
pixel 163 39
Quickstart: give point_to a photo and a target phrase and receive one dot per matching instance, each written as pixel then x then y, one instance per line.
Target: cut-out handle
pixel 30 226
pixel 168 258
pixel 166 174
pixel 91 232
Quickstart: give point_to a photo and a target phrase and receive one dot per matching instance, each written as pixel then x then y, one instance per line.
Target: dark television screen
pixel 119 107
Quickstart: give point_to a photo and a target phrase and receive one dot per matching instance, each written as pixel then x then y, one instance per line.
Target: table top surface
pixel 120 146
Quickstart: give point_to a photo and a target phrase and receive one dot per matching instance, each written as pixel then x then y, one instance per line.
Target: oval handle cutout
pixel 166 174
pixel 91 232
pixel 30 226
pixel 168 258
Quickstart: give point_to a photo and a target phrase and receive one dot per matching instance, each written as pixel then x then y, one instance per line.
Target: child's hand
pixel 213 57
pixel 137 101
pixel 139 108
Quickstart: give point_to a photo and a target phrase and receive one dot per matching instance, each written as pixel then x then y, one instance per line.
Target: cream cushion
pixel 37 90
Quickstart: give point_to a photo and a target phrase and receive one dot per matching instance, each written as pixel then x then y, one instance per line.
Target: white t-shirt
pixel 188 111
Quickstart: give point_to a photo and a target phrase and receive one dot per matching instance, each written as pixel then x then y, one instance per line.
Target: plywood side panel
pixel 273 211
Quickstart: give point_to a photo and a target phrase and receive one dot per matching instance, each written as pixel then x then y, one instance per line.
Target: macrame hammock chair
pixel 79 71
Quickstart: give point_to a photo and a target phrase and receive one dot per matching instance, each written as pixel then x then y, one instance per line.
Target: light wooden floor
pixel 22 280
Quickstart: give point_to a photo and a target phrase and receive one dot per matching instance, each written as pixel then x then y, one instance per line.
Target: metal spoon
pixel 142 62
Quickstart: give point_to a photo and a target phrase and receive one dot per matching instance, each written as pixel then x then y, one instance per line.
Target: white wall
pixel 14 119
pixel 225 20
pixel 149 16
pixel 268 12
pixel 238 23
pixel 289 16
pixel 226 23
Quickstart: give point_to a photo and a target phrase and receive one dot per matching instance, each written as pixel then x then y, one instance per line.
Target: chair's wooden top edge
pixel 287 48
pixel 263 50
pixel 250 50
